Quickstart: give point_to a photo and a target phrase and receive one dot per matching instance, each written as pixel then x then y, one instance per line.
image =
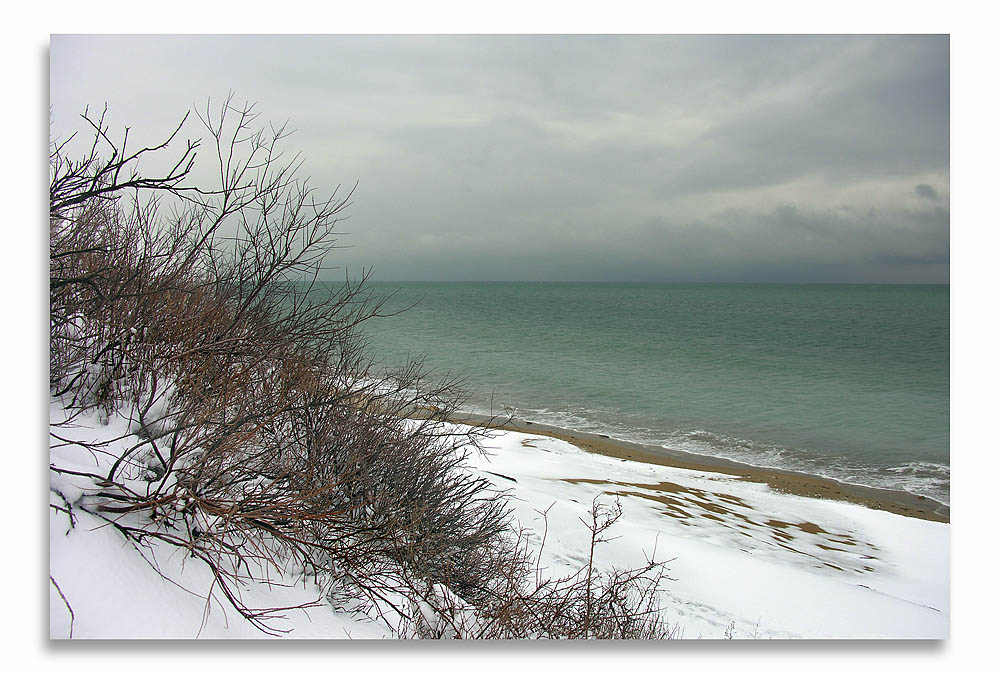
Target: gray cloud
pixel 581 157
pixel 927 192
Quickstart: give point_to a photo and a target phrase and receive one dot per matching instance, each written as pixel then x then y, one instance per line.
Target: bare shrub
pixel 590 603
pixel 261 437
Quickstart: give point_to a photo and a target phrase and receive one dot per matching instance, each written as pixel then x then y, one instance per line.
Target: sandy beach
pixel 796 483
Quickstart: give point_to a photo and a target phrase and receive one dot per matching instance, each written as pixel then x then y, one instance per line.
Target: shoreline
pixel 785 481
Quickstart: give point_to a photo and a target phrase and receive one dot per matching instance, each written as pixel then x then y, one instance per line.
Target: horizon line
pixel 653 282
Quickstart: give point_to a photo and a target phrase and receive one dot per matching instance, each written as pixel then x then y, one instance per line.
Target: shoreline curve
pixel 785 481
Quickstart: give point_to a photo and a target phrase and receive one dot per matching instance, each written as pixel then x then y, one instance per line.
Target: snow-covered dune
pixel 744 561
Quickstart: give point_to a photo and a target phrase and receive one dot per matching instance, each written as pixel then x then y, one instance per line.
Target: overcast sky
pixel 677 158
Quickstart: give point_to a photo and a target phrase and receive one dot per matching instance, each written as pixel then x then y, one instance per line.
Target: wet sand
pixel 796 483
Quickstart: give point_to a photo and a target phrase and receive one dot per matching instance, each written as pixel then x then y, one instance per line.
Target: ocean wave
pixel 929 479
pixel 923 468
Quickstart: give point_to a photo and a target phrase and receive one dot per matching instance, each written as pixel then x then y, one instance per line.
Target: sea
pixel 845 381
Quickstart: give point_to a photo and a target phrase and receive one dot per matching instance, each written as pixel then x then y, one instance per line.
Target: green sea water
pixel 847 381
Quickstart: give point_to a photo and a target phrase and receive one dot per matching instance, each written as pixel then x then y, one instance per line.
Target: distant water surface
pixel 847 381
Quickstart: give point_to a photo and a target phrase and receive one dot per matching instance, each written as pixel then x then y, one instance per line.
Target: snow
pixel 115 592
pixel 744 560
pixel 118 589
pixel 891 574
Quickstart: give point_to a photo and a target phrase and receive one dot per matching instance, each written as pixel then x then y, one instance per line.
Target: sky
pixel 32 48
pixel 707 158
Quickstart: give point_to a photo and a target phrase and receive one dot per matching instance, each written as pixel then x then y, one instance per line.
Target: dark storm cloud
pixel 583 157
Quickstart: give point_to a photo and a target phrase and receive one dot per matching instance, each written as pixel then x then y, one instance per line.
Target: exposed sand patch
pixel 730 515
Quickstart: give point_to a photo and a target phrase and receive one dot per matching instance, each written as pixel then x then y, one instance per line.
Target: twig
pixel 72 616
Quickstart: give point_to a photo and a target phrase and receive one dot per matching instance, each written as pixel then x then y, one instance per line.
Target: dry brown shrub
pixel 261 434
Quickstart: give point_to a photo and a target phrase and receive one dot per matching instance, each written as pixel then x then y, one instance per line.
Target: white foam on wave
pixel 931 480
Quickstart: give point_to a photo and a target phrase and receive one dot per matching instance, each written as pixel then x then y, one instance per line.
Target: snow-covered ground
pixel 772 564
pixel 745 561
pixel 117 589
